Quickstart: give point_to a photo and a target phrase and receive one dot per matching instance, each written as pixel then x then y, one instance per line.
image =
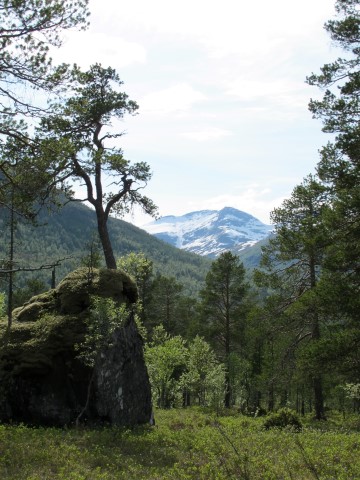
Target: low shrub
pixel 283 418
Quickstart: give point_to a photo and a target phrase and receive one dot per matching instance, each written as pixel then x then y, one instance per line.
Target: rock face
pixel 43 381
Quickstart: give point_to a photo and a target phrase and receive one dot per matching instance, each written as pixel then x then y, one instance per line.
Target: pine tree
pixel 292 264
pixel 27 29
pixel 223 304
pixel 75 138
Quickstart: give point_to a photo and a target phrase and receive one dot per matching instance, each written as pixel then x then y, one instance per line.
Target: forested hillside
pixel 68 232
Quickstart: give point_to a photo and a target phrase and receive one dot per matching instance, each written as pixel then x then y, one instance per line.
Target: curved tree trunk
pixel 105 240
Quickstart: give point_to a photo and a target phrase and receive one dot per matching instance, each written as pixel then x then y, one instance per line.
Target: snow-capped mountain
pixel 210 232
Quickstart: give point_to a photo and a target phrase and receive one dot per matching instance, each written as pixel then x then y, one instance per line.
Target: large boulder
pixel 43 379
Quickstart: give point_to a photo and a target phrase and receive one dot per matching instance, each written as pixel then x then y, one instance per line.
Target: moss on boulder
pixel 43 381
pixel 36 307
pixel 73 293
pixel 75 290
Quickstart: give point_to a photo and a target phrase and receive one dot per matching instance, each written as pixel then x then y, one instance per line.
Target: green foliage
pixel 352 390
pixel 204 378
pixel 240 373
pixel 299 241
pixel 292 265
pixel 34 286
pixel 64 235
pixel 184 444
pixel 182 373
pixel 2 304
pixel 92 258
pixel 339 108
pixel 141 269
pixel 165 359
pixel 283 418
pixel 311 266
pixel 166 293
pixel 339 163
pixel 222 301
pixel 302 345
pixel 27 29
pixel 163 300
pixel 105 317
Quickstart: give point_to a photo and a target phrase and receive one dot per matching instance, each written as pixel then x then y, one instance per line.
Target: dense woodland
pixel 68 234
pixel 284 335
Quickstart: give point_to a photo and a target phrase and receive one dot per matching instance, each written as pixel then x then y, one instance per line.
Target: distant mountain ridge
pixel 66 234
pixel 210 232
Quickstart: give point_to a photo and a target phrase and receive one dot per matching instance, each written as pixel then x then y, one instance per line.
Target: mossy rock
pixel 75 290
pixel 42 379
pixel 54 321
pixel 72 295
pixel 30 347
pixel 36 307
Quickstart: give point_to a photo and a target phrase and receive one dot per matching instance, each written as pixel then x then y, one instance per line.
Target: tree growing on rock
pixel 79 139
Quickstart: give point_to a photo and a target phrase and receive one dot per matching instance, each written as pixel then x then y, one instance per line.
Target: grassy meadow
pixel 184 444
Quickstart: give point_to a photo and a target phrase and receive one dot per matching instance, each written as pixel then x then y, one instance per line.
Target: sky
pixel 223 114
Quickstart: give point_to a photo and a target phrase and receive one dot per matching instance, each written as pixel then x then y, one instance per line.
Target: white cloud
pixel 280 98
pixel 178 98
pixel 255 199
pixel 106 48
pixel 207 134
pixel 223 28
pixel 255 89
pixel 227 77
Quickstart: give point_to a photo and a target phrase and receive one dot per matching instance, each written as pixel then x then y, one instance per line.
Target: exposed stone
pixel 42 379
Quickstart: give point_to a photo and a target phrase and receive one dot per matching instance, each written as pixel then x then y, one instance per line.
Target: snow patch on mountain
pixel 210 232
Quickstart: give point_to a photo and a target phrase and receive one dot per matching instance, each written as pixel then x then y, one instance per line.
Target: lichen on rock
pixel 42 379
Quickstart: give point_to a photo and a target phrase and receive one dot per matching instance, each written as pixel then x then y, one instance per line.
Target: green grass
pixel 184 444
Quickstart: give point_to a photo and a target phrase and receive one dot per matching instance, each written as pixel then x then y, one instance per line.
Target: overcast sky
pixel 223 117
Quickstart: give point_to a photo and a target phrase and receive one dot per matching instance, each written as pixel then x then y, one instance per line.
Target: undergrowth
pixel 184 444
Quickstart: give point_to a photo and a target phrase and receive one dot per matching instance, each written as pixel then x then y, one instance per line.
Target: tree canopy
pixel 75 138
pixel 27 30
pixel 339 166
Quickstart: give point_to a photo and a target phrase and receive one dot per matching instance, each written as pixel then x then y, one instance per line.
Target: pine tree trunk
pixel 317 379
pixel 105 240
pixel 227 399
pixel 271 397
pixel 228 393
pixel 318 398
pixel 315 335
pixel 11 263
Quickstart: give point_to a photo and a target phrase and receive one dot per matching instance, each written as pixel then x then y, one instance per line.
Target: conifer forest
pixel 234 367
